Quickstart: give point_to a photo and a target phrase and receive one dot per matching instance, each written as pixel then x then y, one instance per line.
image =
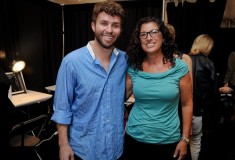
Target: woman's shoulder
pixel 186 58
pixel 179 62
pixel 181 66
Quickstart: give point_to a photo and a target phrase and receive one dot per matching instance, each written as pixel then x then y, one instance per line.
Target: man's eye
pixel 116 26
pixel 104 24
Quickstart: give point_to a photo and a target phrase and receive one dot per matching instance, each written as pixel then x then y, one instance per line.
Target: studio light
pixel 18 66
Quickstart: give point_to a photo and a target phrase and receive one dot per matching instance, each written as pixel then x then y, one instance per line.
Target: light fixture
pixel 17 84
pixel 18 66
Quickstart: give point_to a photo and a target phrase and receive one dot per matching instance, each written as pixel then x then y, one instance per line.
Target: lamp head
pixel 18 66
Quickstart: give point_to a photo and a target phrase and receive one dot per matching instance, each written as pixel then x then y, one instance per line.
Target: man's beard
pixel 102 44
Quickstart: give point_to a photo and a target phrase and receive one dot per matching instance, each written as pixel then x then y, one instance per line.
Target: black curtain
pixel 52 42
pixel 8 31
pixel 192 19
pixel 32 31
pixel 77 22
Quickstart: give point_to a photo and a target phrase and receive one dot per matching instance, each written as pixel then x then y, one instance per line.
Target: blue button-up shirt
pixel 91 102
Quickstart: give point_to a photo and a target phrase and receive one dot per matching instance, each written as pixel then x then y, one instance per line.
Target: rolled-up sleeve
pixel 64 94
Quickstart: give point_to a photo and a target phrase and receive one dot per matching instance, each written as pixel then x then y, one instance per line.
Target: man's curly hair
pixel 110 7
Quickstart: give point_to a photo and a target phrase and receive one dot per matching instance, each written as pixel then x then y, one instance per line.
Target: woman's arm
pixel 187 113
pixel 186 96
pixel 187 59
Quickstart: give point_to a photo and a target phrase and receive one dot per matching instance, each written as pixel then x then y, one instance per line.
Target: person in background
pixel 229 79
pixel 204 90
pixel 229 82
pixel 90 92
pixel 158 80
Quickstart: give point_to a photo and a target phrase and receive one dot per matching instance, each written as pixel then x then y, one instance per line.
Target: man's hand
pixel 225 90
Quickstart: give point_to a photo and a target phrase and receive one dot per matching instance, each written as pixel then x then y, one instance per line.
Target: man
pixel 229 82
pixel 229 79
pixel 90 88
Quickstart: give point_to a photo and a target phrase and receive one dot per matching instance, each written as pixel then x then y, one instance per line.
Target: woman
pixel 205 92
pixel 158 80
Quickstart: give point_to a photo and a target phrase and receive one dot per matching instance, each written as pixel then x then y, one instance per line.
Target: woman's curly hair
pixel 136 54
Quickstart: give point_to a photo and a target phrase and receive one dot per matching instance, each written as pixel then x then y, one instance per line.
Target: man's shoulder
pixel 120 51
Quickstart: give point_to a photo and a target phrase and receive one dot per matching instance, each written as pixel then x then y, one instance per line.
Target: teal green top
pixel 154 116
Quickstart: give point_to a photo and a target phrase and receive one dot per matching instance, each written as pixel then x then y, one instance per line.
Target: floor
pixel 217 145
pixel 48 149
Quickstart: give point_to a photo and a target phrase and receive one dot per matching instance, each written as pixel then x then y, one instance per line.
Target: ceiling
pixel 229 14
pixel 70 2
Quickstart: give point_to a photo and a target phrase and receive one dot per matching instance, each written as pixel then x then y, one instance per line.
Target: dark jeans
pixel 76 157
pixel 135 149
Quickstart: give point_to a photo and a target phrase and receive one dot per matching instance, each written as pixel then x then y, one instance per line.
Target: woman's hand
pixel 181 150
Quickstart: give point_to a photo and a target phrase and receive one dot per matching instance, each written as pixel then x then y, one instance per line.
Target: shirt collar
pixel 115 51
